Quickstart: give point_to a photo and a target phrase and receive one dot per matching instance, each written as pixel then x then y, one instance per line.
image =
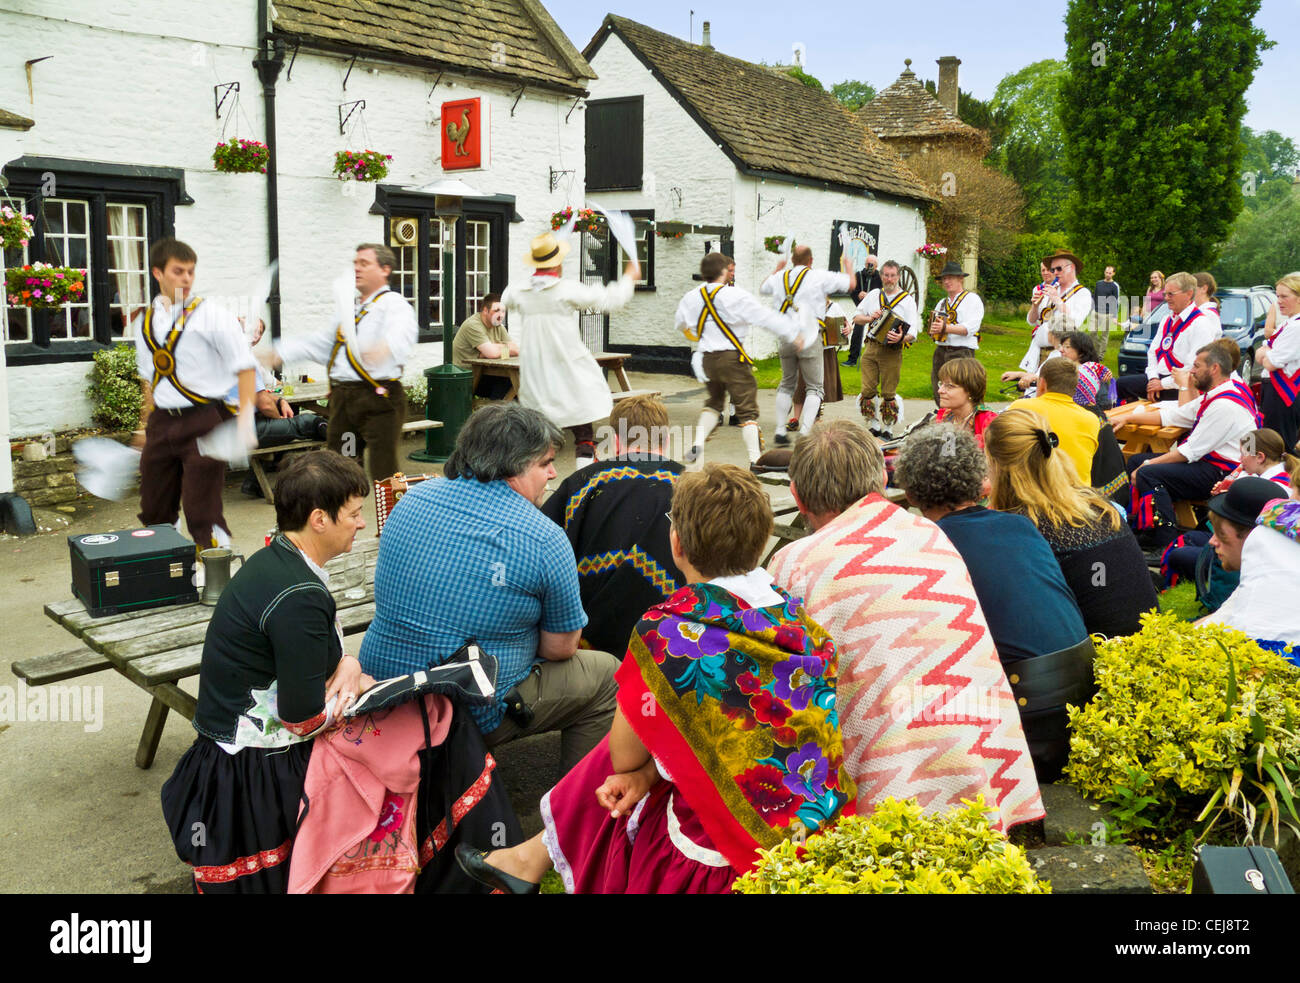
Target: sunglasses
pixel 1058 269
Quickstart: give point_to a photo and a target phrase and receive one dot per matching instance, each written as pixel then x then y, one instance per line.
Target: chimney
pixel 707 41
pixel 948 81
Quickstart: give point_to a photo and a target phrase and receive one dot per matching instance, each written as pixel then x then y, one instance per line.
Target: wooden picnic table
pixel 1135 439
pixel 156 649
pixel 508 368
pixel 313 393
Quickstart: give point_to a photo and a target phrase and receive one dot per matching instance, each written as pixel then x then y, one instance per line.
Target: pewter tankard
pixel 216 572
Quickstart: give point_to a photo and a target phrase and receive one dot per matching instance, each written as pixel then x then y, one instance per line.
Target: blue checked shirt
pixel 460 559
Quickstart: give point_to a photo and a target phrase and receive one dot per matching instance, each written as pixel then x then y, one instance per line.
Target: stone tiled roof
pixel 767 121
pixel 510 39
pixel 907 109
pixel 12 121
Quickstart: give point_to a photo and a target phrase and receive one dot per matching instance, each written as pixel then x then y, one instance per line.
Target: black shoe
pixel 474 864
pixel 780 439
pixel 734 421
pixel 250 487
pixel 850 362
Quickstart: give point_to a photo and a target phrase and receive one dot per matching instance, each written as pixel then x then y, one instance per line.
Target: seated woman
pixel 961 397
pixel 1031 612
pixel 1262 455
pixel 1030 478
pixel 1096 389
pixel 725 739
pixel 273 675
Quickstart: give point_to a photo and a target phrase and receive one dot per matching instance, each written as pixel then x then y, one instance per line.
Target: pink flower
pixel 36 293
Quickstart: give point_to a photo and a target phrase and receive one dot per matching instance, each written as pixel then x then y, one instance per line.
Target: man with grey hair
pixel 364 362
pixel 894 594
pixel 1032 614
pixel 471 556
pixel 1176 341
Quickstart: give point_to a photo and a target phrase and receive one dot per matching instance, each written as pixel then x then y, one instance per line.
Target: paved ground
pixel 76 815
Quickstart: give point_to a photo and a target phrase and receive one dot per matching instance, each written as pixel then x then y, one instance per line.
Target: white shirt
pixel 810 299
pixel 905 308
pixel 1198 334
pixel 1258 605
pixel 1211 314
pixel 210 352
pixel 388 320
pixel 969 315
pixel 1220 430
pixel 1061 315
pixel 1284 347
pixel 739 309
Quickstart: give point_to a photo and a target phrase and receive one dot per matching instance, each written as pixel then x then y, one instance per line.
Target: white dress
pixel 558 376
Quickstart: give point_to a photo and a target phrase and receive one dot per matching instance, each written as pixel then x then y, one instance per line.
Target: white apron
pixel 558 376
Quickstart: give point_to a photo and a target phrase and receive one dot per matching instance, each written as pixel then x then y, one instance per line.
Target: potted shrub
pixel 361 165
pixel 897 850
pixel 44 287
pixel 241 157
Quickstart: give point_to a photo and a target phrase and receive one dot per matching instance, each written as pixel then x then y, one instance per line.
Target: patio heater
pixel 449 397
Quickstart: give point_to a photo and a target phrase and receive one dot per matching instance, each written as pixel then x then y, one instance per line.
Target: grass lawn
pixel 1181 600
pixel 1003 341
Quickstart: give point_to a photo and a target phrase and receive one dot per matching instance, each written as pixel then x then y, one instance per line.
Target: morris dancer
pixel 1180 337
pixel 719 316
pixel 1058 306
pixel 954 323
pixel 558 376
pixel 1281 360
pixel 189 354
pixel 803 290
pixel 882 359
pixel 1219 418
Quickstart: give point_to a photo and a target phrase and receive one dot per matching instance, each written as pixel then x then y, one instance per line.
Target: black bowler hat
pixel 1245 499
pixel 953 268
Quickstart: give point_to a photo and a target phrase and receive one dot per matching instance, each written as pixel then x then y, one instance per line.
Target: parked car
pixel 1242 310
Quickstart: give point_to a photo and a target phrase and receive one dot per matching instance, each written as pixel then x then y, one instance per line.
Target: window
pixel 645 251
pixel 92 216
pixel 479 243
pixel 614 144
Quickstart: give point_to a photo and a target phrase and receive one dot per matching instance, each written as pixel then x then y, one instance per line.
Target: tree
pixel 1263 244
pixel 976 112
pixel 1151 108
pixel 1268 162
pixel 971 198
pixel 1032 147
pixel 853 94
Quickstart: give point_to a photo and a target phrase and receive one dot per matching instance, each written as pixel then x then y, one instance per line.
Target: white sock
pixel 707 423
pixel 749 432
pixel 811 404
pixel 221 536
pixel 783 403
pixel 581 462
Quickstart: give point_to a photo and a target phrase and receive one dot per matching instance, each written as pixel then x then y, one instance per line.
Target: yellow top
pixel 1075 427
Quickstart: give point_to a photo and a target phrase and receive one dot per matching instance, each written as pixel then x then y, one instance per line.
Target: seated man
pixel 1184 332
pixel 1218 419
pixel 1075 427
pixel 276 423
pixel 1255 533
pixel 895 596
pixel 483 335
pixel 615 515
pixel 1035 621
pixel 472 557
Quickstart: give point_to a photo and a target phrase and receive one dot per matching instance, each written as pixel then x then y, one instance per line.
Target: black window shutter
pixel 615 141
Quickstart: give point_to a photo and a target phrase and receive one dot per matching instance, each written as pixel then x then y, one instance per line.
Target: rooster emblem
pixel 458 133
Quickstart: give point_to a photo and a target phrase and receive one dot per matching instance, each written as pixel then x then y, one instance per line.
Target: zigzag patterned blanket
pixel 924 704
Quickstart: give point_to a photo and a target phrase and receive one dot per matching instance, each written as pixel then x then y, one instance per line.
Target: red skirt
pixel 658 848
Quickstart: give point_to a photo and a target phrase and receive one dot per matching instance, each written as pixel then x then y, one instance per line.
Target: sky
pixel 868 41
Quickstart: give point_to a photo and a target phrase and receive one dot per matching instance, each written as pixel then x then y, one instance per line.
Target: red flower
pixel 747 683
pixel 768 709
pixel 786 736
pixel 764 789
pixel 744 719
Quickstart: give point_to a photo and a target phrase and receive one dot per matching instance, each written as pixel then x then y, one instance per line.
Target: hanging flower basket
pixel 588 220
pixel 670 233
pixel 15 228
pixel 932 249
pixel 44 287
pixel 361 165
pixel 241 157
pixel 773 244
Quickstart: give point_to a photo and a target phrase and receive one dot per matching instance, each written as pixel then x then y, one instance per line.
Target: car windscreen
pixel 1234 310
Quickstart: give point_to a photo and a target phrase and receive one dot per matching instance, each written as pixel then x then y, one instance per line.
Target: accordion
pixel 389 491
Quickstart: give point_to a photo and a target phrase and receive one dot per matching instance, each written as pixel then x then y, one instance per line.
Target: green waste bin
pixel 449 400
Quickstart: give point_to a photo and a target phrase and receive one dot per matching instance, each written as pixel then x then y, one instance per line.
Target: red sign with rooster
pixel 462 135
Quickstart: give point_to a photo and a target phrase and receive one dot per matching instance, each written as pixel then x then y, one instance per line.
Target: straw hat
pixel 545 251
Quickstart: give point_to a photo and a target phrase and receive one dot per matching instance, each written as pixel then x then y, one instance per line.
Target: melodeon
pixel 888 322
pixel 944 321
pixel 389 491
pixel 832 330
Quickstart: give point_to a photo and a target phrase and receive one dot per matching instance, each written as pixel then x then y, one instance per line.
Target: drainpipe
pixel 269 62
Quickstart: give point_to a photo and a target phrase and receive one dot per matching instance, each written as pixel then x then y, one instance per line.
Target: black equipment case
pixel 1239 870
pixel 132 569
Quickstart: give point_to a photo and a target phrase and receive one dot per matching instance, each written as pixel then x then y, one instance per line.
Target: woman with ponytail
pixel 1096 550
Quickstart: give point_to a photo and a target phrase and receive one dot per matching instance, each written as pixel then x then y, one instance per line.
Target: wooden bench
pixel 415 426
pixel 42 669
pixel 1185 513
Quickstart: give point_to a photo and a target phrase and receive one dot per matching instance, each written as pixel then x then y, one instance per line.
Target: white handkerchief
pixel 621 227
pixel 105 467
pixel 226 442
pixel 565 231
pixel 258 294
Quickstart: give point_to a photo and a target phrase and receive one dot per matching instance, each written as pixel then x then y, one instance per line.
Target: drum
pixel 879 331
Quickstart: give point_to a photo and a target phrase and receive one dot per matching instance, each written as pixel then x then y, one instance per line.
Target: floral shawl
pixel 737 704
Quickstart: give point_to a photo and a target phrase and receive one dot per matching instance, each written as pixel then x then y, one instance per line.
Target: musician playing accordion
pixel 892 322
